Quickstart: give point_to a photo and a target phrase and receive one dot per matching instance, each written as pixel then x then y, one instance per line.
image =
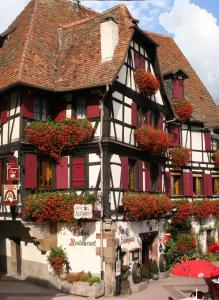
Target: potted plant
pixel 146 82
pixel 154 270
pixel 58 260
pixel 181 156
pixel 183 109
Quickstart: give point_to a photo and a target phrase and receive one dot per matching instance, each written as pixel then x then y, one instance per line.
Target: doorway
pixel 147 241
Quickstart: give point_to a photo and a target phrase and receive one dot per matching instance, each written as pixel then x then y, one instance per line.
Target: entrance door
pixel 146 247
pixel 15 256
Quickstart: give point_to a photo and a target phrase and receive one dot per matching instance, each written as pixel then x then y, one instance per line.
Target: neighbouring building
pixel 59 60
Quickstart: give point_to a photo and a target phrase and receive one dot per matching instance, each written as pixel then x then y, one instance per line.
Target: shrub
pixel 154 267
pixel 146 82
pixel 185 242
pixel 55 138
pixel 153 140
pixel 181 156
pixel 57 260
pixel 183 109
pixel 141 206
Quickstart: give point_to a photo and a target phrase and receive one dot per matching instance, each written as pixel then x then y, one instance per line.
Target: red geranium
pixel 141 206
pixel 181 156
pixel 183 109
pixel 214 248
pixel 146 82
pixel 153 140
pixel 215 157
pixel 54 138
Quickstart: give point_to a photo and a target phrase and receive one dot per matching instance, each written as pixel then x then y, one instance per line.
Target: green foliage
pixel 93 279
pixel 57 252
pixel 144 272
pixel 170 252
pixel 82 276
pixel 154 267
pixel 185 243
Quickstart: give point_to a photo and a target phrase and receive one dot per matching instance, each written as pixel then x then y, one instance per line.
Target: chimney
pixel 109 35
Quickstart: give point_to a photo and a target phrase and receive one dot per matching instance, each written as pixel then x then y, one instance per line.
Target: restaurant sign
pixel 10 195
pixel 83 211
pixel 12 171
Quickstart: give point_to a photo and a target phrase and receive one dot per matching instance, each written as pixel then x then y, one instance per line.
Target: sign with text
pixel 83 211
pixel 12 171
pixel 10 194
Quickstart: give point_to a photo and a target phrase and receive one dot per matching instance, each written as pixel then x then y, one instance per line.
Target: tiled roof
pixel 170 59
pixel 55 46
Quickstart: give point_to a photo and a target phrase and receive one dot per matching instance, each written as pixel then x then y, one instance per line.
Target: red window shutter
pixel 60 112
pixel 187 183
pixel 93 107
pixel 27 106
pixel 147 177
pixel 160 179
pixel 140 175
pixel 62 174
pixel 137 60
pixel 30 177
pixel 4 111
pixel 142 62
pixel 168 183
pixel 160 121
pixel 124 173
pixel 78 172
pixel 134 114
pixel 178 88
pixel 208 185
pixel 147 121
pixel 207 141
pixel 174 133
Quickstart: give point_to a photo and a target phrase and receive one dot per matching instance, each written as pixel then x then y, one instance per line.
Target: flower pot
pixel 83 289
pixel 155 276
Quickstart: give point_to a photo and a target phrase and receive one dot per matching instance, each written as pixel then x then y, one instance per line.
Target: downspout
pixel 101 184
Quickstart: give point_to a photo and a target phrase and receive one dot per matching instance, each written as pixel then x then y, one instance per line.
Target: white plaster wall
pixel 122 75
pixel 128 100
pixel 30 252
pixel 15 129
pixel 5 133
pixel 97 133
pixel 116 174
pixel 127 132
pixel 117 95
pixel 118 131
pixel 186 139
pixel 5 247
pixel 115 159
pixel 112 131
pixel 93 158
pixel 13 100
pixel 93 175
pixel 109 33
pixel 117 109
pixel 68 111
pixel 127 115
pixel 197 156
pixel 81 257
pixel 197 140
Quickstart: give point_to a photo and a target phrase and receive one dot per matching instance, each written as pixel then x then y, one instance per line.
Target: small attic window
pixel 3 39
pixel 178 90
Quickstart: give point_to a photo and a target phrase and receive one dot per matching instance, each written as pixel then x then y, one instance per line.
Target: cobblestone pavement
pixel 175 287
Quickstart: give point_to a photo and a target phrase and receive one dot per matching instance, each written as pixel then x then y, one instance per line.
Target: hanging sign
pixel 83 211
pixel 12 171
pixel 164 237
pixel 10 194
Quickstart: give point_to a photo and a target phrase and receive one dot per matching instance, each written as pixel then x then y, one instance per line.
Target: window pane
pixel 45 173
pixel 81 108
pixel 216 185
pixel 131 174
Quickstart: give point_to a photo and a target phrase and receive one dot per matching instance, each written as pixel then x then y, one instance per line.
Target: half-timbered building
pixel 59 60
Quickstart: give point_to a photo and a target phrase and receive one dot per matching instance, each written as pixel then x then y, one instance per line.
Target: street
pixel 175 287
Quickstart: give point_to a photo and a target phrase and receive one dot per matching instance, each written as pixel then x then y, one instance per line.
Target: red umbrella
pixel 196 269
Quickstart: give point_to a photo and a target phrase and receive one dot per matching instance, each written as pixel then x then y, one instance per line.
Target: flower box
pixel 181 156
pixel 183 109
pixel 146 82
pixel 153 140
pixel 83 289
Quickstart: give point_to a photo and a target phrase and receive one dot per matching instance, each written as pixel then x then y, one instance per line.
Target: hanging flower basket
pixel 146 82
pixel 58 260
pixel 183 109
pixel 153 140
pixel 215 157
pixel 142 206
pixel 55 138
pixel 181 156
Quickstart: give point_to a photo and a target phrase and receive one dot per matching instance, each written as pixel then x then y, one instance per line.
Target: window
pixel 139 61
pixel 154 177
pixel 153 119
pixel 81 108
pixel 197 184
pixel 132 174
pixel 142 116
pixel 45 173
pixel 215 183
pixel 176 183
pixel 40 109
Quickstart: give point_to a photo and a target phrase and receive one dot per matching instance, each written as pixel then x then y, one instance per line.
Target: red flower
pixel 183 109
pixel 215 157
pixel 214 248
pixel 146 82
pixel 180 156
pixel 153 140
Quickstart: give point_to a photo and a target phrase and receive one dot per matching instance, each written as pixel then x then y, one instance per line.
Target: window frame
pixel 198 178
pixel 213 184
pixel 176 174
pixel 41 109
pixel 41 173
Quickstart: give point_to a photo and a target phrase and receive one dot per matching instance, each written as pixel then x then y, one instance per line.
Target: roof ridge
pixel 158 34
pixel 27 40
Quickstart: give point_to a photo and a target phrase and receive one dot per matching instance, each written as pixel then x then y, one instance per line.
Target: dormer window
pixel 139 61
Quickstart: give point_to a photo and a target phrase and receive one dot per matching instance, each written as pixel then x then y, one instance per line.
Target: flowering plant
pixel 215 157
pixel 146 82
pixel 214 248
pixel 141 206
pixel 54 138
pixel 180 156
pixel 57 260
pixel 53 207
pixel 185 242
pixel 153 140
pixel 183 109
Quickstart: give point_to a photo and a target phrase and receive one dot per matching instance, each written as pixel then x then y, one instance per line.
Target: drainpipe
pixel 101 184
